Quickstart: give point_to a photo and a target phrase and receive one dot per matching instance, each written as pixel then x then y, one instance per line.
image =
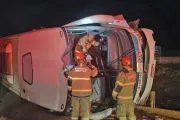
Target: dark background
pixel 161 16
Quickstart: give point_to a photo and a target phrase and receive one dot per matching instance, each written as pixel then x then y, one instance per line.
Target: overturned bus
pixel 31 63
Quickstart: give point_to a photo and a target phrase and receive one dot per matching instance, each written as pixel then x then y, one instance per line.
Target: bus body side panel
pixel 40 68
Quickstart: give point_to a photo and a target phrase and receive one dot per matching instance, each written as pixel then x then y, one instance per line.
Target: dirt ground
pixel 13 107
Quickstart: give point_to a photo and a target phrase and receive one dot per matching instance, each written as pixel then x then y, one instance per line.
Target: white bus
pixel 31 63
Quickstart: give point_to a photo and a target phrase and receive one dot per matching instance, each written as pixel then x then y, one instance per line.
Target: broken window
pixel 9 63
pixel 6 59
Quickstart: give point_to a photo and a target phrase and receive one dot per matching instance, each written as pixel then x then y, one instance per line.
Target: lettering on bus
pixel 140 80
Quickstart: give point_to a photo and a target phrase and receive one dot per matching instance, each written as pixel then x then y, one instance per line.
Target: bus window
pixel 8 57
pixel 27 68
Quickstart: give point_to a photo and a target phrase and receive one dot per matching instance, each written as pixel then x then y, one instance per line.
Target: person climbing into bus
pixel 123 91
pixel 85 43
pixel 79 84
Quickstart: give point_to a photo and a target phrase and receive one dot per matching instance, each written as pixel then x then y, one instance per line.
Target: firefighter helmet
pixel 126 61
pixel 79 56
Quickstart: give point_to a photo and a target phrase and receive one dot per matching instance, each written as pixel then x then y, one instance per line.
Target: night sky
pixel 161 16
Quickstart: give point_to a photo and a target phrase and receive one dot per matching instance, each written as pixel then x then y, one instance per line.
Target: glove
pixel 97 44
pixel 88 58
pixel 114 96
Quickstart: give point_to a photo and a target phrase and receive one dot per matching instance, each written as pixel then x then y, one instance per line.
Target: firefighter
pixel 79 83
pixel 86 42
pixel 123 91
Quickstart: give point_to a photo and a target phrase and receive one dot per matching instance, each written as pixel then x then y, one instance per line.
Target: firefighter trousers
pixel 125 109
pixel 80 110
pixel 77 102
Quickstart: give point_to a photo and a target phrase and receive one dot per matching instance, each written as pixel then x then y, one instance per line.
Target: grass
pixel 166 84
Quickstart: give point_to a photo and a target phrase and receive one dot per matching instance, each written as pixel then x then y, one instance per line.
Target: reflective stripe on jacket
pixel 80 79
pixel 124 85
